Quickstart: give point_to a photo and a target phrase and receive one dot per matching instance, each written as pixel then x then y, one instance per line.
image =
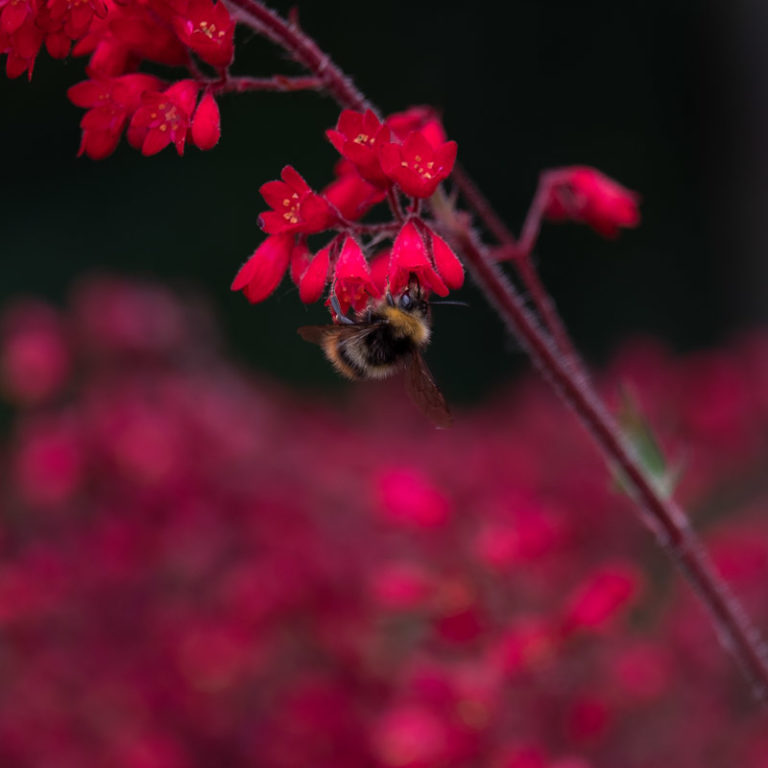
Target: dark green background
pixel 668 97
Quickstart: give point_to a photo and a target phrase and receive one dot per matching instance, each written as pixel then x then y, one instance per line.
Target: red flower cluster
pixel 170 597
pixel 119 37
pixel 405 155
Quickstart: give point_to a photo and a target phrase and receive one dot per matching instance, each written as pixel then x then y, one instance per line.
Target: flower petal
pixel 315 277
pixel 262 273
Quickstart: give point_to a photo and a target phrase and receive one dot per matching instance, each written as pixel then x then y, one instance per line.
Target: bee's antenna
pixel 451 303
pixel 390 300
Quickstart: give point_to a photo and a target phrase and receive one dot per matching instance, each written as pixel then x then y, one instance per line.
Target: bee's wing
pixel 316 334
pixel 425 393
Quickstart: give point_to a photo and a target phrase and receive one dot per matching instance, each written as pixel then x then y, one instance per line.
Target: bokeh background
pixel 667 97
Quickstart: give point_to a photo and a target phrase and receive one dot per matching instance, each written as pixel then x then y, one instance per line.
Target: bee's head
pixel 408 314
pixel 412 300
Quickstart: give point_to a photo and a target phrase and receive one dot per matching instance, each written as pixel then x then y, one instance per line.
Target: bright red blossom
pixel 110 103
pixel 130 33
pixel 379 267
pixel 585 195
pixel 208 29
pixel 73 17
pixel 424 119
pixel 206 123
pixel 352 282
pixel 300 259
pixel 358 137
pixel 295 207
pixel 416 166
pixel 350 194
pixel 163 118
pixel 315 276
pixel 445 260
pixel 409 257
pixel 109 55
pixel 262 273
pixel 22 47
pixel 14 13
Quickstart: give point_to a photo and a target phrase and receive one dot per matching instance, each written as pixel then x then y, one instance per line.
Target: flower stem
pixel 670 525
pixel 521 258
pixel 279 83
pixel 302 48
pixel 662 515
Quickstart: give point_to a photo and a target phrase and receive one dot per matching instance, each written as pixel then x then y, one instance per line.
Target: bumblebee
pixel 386 339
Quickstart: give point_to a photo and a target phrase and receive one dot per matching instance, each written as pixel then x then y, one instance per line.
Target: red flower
pixel 583 194
pixel 350 194
pixel 22 47
pixel 315 276
pixel 15 13
pixel 379 266
pixel 300 260
pixel 110 56
pixel 422 119
pixel 445 260
pixel 409 257
pixel 295 207
pixel 417 166
pixel 352 282
pixel 262 273
pixel 358 138
pixel 58 45
pixel 145 31
pixel 208 29
pixel 206 124
pixel 73 18
pixel 110 103
pixel 163 118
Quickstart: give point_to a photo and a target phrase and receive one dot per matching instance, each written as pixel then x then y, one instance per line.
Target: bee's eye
pixel 405 301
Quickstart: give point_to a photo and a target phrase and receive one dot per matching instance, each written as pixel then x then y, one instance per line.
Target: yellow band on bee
pixel 407 325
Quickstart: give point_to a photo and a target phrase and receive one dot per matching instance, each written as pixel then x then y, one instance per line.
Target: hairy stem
pixel 521 257
pixel 279 83
pixel 302 48
pixel 663 516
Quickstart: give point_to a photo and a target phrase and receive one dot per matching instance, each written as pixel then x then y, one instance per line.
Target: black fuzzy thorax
pixel 384 347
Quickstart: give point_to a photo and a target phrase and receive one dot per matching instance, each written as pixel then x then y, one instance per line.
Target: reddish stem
pixel 532 223
pixel 394 204
pixel 546 308
pixel 479 202
pixel 280 83
pixel 662 515
pixel 303 49
pixel 519 253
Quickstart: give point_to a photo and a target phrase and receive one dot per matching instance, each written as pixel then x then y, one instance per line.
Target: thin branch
pixel 519 253
pixel 279 83
pixel 303 49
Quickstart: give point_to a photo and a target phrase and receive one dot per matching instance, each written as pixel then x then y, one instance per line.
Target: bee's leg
pixel 340 316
